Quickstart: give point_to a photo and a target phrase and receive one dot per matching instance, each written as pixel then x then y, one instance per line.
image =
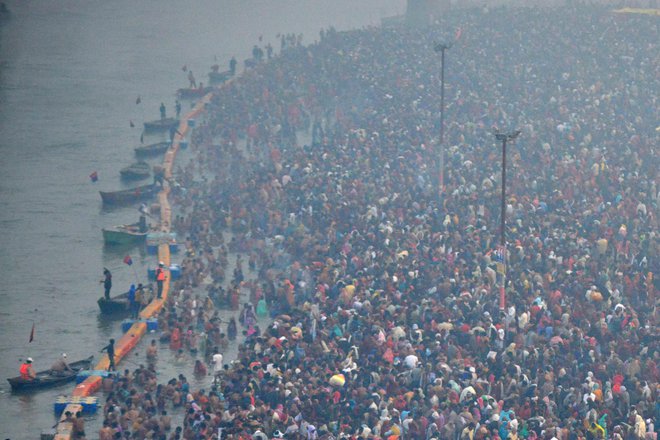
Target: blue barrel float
pixel 152 324
pixel 155 239
pixel 89 404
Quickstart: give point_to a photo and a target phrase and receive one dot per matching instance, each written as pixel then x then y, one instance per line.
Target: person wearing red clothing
pixel 160 278
pixel 175 339
pixel 27 371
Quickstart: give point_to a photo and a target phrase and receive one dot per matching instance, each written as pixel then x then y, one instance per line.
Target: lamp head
pixel 439 47
pixel 506 136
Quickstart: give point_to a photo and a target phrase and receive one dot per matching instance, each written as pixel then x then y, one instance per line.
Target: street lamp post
pixel 504 137
pixel 442 47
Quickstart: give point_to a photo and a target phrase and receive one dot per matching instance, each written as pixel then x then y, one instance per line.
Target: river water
pixel 70 74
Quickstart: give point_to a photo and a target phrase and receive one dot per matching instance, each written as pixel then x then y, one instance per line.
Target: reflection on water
pixel 107 324
pixel 26 401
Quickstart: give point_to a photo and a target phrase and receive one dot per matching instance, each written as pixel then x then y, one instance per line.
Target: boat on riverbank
pixel 219 77
pixel 124 235
pixel 152 149
pixel 116 305
pixel 46 378
pixel 136 171
pixel 193 93
pixel 128 196
pixel 160 125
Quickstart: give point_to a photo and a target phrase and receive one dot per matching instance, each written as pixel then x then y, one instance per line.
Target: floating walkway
pixel 649 11
pixel 80 399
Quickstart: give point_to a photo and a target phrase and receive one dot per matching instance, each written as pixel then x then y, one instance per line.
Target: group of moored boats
pixel 122 234
pixel 136 233
pixel 140 170
pixel 118 235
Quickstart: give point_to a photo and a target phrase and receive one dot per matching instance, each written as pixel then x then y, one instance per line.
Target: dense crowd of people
pixel 322 163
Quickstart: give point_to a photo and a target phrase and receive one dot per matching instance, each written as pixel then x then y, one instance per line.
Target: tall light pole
pixel 504 137
pixel 442 47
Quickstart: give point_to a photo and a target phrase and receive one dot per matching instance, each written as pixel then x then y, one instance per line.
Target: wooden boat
pixel 136 171
pixel 46 378
pixel 128 196
pixel 114 306
pixel 193 93
pixel 152 149
pixel 163 124
pixel 123 235
pixel 219 77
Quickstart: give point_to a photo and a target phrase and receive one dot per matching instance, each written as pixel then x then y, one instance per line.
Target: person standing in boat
pixel 177 108
pixel 232 66
pixel 142 224
pixel 60 366
pixel 27 370
pixel 144 210
pixel 107 282
pixel 191 78
pixel 163 111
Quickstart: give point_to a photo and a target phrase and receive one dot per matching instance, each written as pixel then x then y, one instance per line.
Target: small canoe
pixel 161 124
pixel 128 196
pixel 219 77
pixel 193 93
pixel 47 379
pixel 136 171
pixel 152 149
pixel 115 305
pixel 123 235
